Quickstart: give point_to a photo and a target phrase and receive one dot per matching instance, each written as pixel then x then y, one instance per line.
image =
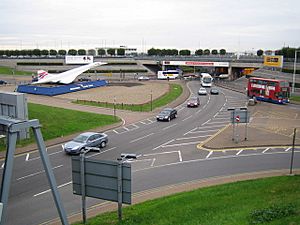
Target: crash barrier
pixel 60 89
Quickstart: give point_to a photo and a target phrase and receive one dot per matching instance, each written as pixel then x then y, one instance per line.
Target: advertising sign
pixel 79 59
pixel 196 63
pixel 273 61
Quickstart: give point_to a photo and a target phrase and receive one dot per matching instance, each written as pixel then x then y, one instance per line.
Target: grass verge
pixel 10 71
pixel 295 98
pixel 58 122
pixel 239 203
pixel 174 92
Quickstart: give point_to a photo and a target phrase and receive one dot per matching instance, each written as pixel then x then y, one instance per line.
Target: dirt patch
pixel 127 93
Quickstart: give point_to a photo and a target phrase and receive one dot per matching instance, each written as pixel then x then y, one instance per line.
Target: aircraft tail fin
pixel 41 74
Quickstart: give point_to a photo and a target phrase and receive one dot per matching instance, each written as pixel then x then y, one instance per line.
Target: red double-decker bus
pixel 271 90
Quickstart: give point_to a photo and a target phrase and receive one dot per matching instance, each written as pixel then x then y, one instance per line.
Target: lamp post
pixel 294 74
pixel 151 100
pixel 115 107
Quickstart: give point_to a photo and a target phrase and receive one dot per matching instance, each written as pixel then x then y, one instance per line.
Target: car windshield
pixel 193 99
pixel 81 138
pixel 165 112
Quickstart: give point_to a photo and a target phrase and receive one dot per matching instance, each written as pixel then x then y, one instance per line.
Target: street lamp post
pixel 151 101
pixel 115 107
pixel 294 74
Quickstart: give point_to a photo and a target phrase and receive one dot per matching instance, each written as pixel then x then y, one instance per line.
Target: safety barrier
pixel 60 89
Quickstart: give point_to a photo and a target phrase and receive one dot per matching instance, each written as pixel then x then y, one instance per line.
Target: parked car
pixel 193 102
pixel 214 91
pixel 202 91
pixel 2 82
pixel 88 139
pixel 143 78
pixel 167 114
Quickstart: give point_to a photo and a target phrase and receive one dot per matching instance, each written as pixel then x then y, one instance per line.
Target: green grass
pixel 228 204
pixel 11 71
pixel 174 92
pixel 58 122
pixel 295 98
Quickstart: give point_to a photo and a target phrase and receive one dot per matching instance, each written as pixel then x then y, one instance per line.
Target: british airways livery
pixel 66 77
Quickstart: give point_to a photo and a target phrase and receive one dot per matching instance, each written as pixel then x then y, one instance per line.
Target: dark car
pixel 193 102
pixel 2 82
pixel 88 139
pixel 167 114
pixel 214 91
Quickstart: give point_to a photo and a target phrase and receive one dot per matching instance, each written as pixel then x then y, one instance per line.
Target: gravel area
pixel 136 93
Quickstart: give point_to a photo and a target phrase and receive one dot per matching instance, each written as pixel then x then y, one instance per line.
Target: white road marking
pixel 179 155
pixel 206 122
pixel 141 138
pixel 289 148
pixel 153 160
pixel 163 144
pixel 204 136
pixel 209 154
pixel 182 144
pixel 265 150
pixel 190 131
pixel 169 126
pixel 116 131
pixel 27 157
pixel 222 122
pixel 37 173
pixel 213 126
pixel 44 192
pixel 53 153
pixel 239 152
pixel 126 128
pixel 160 153
pixel 2 165
pixel 101 152
pixel 180 109
pixel 187 118
pixel 201 131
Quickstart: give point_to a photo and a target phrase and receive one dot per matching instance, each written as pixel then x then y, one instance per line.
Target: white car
pixel 202 91
pixel 141 78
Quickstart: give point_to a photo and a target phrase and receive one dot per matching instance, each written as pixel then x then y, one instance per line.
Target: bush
pixel 271 213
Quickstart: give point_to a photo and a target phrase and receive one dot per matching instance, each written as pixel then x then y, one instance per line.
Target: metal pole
pixel 50 174
pixel 82 178
pixel 151 101
pixel 7 173
pixel 120 200
pixel 293 150
pixel 246 127
pixel 294 74
pixel 115 107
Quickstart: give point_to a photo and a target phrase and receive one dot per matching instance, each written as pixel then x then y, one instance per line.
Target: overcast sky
pixel 236 25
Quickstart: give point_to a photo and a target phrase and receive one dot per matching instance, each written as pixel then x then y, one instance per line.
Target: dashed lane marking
pixel 140 138
pixel 209 154
pixel 265 150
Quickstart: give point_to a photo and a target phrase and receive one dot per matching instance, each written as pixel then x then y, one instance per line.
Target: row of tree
pixel 52 52
pixel 287 52
pixel 184 52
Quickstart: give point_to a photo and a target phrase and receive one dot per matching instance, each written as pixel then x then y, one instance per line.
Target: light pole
pixel 294 74
pixel 151 100
pixel 115 107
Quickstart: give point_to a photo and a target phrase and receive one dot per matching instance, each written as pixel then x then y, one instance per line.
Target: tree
pixel 260 52
pixel 120 51
pixel 174 52
pixel 72 52
pixel 81 52
pixel 36 52
pixel 222 51
pixel 53 52
pixel 184 52
pixel 199 52
pixel 152 51
pixel 111 51
pixel 206 52
pixel 62 52
pixel 101 52
pixel 214 52
pixel 92 52
pixel 45 52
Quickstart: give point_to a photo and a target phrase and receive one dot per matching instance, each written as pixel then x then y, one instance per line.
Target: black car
pixel 167 114
pixel 214 91
pixel 2 82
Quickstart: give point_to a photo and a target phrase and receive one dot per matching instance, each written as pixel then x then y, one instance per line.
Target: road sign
pixel 240 116
pixel 101 179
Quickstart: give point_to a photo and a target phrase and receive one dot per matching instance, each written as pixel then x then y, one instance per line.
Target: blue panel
pixel 60 89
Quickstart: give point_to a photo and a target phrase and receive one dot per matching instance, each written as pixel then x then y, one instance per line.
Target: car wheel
pixel 175 116
pixel 102 144
pixel 169 118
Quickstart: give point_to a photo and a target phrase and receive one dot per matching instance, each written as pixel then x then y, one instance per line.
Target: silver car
pixel 88 139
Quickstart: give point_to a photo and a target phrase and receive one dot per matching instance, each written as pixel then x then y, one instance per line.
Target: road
pixel 167 154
